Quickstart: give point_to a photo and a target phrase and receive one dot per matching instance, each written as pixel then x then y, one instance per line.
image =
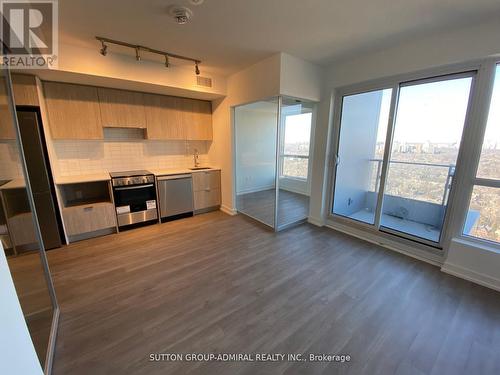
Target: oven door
pixel 135 203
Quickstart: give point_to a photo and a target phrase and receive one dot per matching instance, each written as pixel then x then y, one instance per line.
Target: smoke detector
pixel 180 14
pixel 196 2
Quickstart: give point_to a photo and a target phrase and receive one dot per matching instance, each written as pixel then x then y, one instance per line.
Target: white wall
pixel 477 263
pixel 256 148
pixel 17 353
pixel 300 79
pixel 87 66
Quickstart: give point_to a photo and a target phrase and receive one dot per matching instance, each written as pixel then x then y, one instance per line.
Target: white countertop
pixel 171 171
pixel 104 176
pixel 62 180
pixel 17 183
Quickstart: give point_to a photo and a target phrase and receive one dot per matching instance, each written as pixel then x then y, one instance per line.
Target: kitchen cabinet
pixel 73 111
pixel 122 109
pixel 6 124
pixel 170 117
pixel 206 190
pixel 164 117
pixel 89 218
pixel 199 119
pixel 25 93
pixel 87 209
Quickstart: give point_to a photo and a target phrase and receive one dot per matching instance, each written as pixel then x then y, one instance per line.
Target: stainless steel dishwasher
pixel 176 196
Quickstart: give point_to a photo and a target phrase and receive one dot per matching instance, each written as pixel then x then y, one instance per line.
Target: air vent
pixel 204 81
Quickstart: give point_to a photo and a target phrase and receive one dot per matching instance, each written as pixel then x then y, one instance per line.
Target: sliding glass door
pixel 402 187
pixel 427 136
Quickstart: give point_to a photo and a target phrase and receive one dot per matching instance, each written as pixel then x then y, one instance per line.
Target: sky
pixel 436 112
pixel 298 128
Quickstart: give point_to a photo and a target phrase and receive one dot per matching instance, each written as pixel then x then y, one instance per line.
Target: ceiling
pixel 228 35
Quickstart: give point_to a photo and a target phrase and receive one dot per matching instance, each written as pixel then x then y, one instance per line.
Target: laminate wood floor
pixel 221 284
pixel 292 207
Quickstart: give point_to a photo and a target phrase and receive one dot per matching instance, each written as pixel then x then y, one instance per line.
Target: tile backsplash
pixel 117 153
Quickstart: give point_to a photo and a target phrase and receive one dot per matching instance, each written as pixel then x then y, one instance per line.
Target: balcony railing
pixel 449 176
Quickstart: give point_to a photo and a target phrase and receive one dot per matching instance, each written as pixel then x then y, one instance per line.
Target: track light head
pixel 137 54
pixel 167 63
pixel 104 49
pixel 196 69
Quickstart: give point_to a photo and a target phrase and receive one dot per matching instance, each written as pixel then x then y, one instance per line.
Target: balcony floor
pixel 401 225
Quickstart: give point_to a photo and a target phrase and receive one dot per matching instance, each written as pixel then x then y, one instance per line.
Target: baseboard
pixel 255 189
pixel 467 274
pixel 316 221
pixel 422 255
pixel 228 210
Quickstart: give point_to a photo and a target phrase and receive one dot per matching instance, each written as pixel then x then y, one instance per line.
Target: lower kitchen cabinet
pixel 206 199
pixel 206 190
pixel 89 218
pixel 87 209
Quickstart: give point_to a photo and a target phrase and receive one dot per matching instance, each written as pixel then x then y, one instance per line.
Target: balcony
pixel 415 199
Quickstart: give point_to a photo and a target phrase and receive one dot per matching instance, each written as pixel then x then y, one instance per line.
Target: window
pixel 483 218
pixel 295 149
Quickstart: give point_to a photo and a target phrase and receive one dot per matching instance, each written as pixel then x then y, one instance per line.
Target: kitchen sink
pixel 199 168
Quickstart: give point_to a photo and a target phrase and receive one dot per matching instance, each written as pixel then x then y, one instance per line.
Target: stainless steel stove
pixel 134 193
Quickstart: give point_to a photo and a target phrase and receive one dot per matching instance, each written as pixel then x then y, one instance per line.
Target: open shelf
pixel 81 194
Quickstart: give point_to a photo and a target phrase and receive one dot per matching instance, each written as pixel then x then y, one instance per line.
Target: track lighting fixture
pixel 104 49
pixel 139 48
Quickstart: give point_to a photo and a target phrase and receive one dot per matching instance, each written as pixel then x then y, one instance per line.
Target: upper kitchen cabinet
pixel 73 111
pixel 6 123
pixel 198 119
pixel 170 117
pixel 122 109
pixel 164 117
pixel 25 92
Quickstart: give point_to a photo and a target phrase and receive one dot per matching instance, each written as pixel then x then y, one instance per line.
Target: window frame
pixel 488 87
pixel 467 161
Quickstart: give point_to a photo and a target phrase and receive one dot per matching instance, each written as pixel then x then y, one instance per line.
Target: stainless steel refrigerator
pixel 40 176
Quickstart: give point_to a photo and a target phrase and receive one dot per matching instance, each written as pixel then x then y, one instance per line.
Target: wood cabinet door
pixel 89 218
pixel 206 180
pixel 163 117
pixel 25 92
pixel 122 109
pixel 197 119
pixel 206 199
pixel 73 111
pixel 6 124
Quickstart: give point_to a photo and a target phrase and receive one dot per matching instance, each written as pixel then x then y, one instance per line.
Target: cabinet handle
pixel 88 208
pixel 208 189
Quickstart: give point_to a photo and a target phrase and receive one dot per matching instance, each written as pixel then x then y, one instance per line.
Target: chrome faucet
pixel 196 158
